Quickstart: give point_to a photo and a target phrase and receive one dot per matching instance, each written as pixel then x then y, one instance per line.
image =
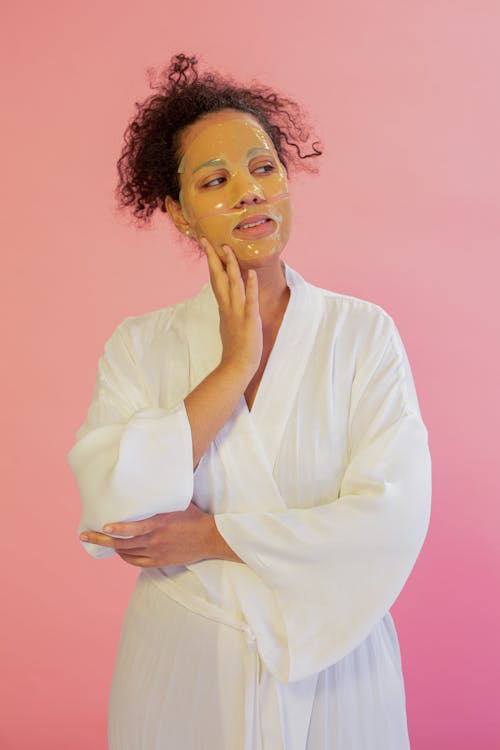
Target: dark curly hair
pixel 149 160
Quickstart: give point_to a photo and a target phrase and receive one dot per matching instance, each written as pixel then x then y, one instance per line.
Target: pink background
pixel 404 212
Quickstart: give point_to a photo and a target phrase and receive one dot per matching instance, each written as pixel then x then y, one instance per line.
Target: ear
pixel 175 212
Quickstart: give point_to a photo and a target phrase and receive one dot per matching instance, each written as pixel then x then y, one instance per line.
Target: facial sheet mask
pixel 226 162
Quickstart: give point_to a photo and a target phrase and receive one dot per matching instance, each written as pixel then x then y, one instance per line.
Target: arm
pixel 336 569
pixel 211 403
pixel 133 460
pixel 175 538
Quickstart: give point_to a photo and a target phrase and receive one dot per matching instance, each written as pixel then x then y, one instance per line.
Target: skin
pixel 250 288
pixel 212 194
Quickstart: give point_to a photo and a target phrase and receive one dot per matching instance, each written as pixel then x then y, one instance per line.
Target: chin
pixel 259 252
pixel 249 259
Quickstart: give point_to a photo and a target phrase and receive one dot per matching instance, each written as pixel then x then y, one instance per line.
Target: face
pixel 230 175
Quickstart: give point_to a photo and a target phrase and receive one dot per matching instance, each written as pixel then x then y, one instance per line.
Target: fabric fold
pixel 324 575
pixel 133 455
pixel 323 488
pixel 336 569
pixel 133 471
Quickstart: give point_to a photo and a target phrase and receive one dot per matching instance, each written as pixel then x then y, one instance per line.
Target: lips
pixel 251 220
pixel 265 229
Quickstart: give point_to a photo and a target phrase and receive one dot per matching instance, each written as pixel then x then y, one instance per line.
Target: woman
pixel 258 451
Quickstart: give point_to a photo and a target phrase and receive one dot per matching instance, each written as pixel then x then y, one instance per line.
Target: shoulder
pixel 138 332
pixel 362 321
pixel 367 336
pixel 352 305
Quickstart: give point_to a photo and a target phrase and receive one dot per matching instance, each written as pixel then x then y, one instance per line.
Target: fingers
pixel 141 562
pixel 236 285
pixel 131 546
pixel 135 552
pixel 225 275
pixel 218 276
pixel 95 537
pixel 227 282
pixel 252 295
pixel 131 528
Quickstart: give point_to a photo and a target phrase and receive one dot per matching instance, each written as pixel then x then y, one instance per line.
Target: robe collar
pixel 277 392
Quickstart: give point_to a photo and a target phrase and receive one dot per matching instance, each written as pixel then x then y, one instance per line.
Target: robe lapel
pixel 286 364
pixel 248 444
pixel 236 473
pixel 247 469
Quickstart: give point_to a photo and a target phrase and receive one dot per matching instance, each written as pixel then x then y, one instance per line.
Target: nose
pixel 246 191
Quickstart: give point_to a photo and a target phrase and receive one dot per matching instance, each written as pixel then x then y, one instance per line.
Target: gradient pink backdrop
pixel 404 212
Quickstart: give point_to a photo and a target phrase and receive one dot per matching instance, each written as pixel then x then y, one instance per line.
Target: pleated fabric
pixel 188 677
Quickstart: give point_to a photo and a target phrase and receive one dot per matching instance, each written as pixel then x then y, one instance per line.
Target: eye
pixel 268 167
pixel 211 182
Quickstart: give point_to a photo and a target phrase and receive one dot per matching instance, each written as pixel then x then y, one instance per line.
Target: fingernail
pixel 84 537
pixel 225 249
pixel 107 528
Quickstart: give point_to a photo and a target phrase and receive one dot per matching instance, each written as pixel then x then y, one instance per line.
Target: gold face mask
pixel 231 174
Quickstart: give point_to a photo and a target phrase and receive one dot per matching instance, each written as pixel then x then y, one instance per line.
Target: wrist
pixel 236 371
pixel 217 547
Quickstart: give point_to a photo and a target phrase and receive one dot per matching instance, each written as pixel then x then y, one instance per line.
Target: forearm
pixel 216 546
pixel 211 403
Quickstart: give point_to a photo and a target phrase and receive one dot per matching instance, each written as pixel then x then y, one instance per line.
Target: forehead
pixel 227 134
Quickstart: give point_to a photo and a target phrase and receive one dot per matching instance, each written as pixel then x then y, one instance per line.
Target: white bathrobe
pixel 323 489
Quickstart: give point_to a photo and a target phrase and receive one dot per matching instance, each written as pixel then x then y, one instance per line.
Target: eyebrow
pixel 216 162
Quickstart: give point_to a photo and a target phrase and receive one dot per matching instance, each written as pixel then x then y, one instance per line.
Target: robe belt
pixel 196 604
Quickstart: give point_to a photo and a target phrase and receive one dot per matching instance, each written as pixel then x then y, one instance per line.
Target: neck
pixel 273 290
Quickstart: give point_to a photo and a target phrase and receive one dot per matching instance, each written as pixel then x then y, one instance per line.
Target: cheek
pixel 218 230
pixel 198 204
pixel 216 227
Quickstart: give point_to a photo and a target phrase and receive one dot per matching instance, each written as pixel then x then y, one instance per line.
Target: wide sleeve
pixel 132 458
pixel 337 568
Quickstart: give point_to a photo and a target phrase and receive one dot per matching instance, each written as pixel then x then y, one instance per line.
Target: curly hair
pixel 150 157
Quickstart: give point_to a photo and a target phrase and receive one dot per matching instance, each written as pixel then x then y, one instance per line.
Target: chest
pixel 253 386
pixel 298 414
pixel 269 337
pixel 313 450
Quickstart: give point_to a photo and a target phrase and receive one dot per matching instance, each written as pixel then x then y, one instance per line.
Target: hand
pixel 178 538
pixel 240 321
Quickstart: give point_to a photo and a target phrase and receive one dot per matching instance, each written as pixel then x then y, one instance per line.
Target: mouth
pixel 255 226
